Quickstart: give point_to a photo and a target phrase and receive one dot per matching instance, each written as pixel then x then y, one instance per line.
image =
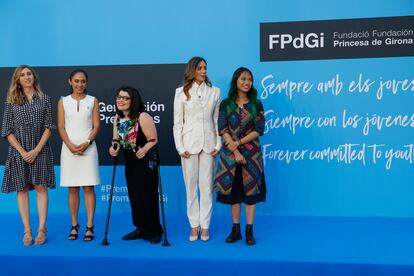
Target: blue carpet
pixel 285 246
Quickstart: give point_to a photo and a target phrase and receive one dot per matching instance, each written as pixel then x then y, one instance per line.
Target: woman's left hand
pixel 31 156
pixel 141 153
pixel 239 158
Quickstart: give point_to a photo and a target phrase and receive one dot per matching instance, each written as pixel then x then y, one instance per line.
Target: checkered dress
pixel 28 123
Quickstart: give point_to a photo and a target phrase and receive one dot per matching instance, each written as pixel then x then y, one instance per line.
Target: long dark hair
pixel 251 95
pixel 190 74
pixel 137 105
pixel 73 73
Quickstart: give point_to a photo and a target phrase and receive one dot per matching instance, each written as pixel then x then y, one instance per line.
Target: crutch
pixel 164 225
pixel 108 215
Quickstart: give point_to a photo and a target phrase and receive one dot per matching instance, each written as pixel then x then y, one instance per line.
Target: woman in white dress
pixel 78 125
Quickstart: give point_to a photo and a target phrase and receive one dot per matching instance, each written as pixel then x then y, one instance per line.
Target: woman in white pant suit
pixel 196 106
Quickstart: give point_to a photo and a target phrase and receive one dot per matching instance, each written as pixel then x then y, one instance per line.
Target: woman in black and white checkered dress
pixel 27 125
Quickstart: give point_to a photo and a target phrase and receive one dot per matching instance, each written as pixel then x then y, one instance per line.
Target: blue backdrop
pixel 226 33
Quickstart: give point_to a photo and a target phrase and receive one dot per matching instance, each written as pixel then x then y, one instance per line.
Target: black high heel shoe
pixel 88 237
pixel 74 236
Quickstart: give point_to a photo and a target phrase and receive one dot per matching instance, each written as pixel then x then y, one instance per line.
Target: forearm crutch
pixel 164 225
pixel 108 215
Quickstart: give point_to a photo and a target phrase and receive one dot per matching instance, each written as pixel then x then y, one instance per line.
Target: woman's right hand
pixel 233 145
pixel 185 154
pixel 24 155
pixel 239 157
pixel 82 148
pixel 114 152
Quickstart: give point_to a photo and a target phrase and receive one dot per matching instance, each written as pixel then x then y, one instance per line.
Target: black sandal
pixel 74 236
pixel 88 237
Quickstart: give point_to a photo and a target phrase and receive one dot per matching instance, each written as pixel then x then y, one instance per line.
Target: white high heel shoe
pixel 194 237
pixel 205 237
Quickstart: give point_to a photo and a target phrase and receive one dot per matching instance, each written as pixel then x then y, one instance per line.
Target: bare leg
pixel 42 208
pixel 23 204
pixel 250 211
pixel 74 201
pixel 42 204
pixel 90 203
pixel 235 213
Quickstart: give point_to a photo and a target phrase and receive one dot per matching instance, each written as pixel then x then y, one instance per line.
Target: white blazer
pixel 195 120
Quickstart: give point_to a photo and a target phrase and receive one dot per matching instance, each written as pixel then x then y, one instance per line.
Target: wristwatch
pixel 90 142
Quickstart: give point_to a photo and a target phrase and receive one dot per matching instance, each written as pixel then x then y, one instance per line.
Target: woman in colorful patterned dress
pixel 134 130
pixel 239 172
pixel 27 125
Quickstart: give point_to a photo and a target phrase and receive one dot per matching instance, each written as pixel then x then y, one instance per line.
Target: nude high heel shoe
pixel 204 236
pixel 192 236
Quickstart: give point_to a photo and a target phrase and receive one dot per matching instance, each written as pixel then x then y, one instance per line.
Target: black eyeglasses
pixel 123 98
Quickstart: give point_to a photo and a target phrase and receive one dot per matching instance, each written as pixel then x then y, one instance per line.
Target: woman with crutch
pixel 134 131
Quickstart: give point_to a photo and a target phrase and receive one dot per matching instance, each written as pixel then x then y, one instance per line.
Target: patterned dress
pixel 28 123
pixel 128 133
pixel 240 183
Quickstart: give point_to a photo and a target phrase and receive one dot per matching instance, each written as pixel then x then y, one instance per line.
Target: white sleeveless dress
pixel 79 170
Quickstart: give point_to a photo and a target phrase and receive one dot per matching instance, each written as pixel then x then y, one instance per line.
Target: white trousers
pixel 198 174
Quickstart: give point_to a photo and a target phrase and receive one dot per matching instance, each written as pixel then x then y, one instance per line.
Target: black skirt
pixel 237 194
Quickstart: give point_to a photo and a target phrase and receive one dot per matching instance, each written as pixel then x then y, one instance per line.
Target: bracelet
pixel 136 149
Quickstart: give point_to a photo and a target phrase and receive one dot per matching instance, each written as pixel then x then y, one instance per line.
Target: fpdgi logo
pixel 310 40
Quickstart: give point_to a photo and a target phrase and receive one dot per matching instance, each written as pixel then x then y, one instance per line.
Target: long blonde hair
pixel 190 74
pixel 16 95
